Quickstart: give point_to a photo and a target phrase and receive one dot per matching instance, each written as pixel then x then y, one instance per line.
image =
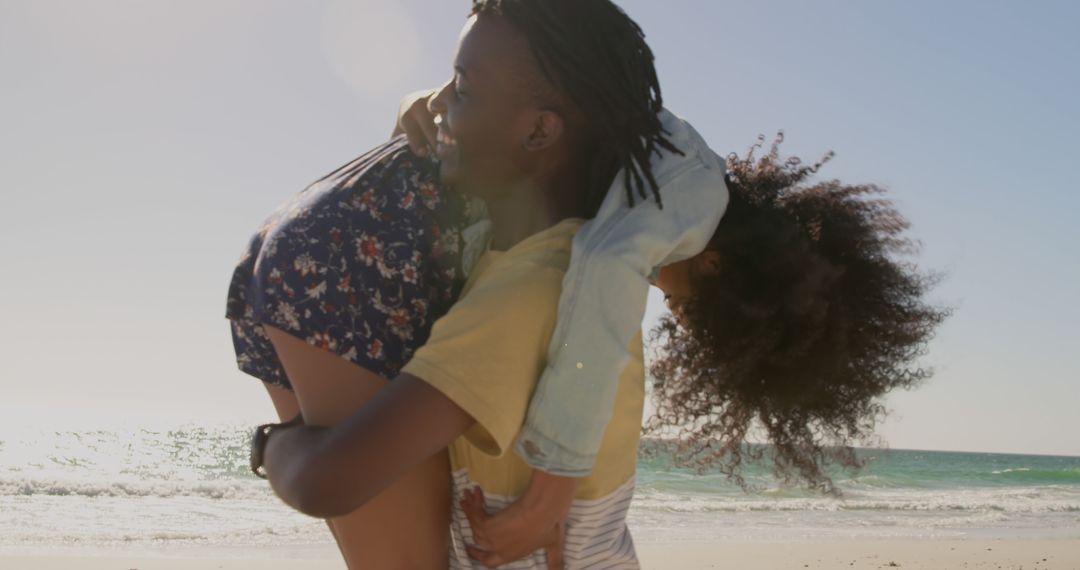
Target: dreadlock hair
pixel 597 55
pixel 811 318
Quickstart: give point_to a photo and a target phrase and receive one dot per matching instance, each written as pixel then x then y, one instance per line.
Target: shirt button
pixel 580 366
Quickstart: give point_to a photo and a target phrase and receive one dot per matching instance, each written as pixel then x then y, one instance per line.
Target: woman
pixel 800 314
pixel 358 266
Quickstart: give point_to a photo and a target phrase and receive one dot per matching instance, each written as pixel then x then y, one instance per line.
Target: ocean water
pixel 188 487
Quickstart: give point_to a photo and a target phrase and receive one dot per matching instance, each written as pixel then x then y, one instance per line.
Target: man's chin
pixel 451 176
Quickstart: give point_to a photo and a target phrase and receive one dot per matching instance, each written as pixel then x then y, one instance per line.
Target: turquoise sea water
pixel 189 486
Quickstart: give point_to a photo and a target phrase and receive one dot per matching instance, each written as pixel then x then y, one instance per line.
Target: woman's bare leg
pixel 407 525
pixel 287 407
pixel 284 402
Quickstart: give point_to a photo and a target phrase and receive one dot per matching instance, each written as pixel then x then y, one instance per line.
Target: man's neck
pixel 531 208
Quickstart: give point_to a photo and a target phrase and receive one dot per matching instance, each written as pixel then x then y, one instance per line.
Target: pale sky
pixel 142 142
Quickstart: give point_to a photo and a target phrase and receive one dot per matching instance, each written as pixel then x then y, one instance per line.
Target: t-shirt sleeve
pixel 487 352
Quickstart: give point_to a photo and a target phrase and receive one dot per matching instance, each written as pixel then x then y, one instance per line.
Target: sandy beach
pixel 1062 554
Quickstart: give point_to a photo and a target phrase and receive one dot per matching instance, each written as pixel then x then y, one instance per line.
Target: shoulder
pixel 517 287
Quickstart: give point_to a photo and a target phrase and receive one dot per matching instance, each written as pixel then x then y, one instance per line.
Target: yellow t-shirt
pixel 486 355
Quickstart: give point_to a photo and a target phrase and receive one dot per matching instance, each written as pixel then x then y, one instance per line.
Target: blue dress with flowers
pixel 360 263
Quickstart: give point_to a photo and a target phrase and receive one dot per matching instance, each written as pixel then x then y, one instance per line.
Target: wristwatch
pixel 261 437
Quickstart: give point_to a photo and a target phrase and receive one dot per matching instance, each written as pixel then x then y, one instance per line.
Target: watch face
pixel 259 439
pixel 258 445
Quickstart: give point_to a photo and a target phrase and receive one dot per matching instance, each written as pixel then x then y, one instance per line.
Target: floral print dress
pixel 360 263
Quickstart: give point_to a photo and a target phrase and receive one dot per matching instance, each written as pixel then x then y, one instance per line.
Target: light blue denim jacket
pixel 603 298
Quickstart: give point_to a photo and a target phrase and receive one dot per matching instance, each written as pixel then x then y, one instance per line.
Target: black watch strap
pixel 259 440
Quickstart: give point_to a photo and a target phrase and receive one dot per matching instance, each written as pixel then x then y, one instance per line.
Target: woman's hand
pixel 536 520
pixel 417 122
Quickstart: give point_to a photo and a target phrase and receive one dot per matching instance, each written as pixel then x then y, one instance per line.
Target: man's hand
pixel 417 122
pixel 536 520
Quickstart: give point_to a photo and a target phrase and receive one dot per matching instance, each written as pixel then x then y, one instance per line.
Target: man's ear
pixel 547 128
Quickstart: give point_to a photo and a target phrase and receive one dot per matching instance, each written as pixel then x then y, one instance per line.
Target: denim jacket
pixel 603 298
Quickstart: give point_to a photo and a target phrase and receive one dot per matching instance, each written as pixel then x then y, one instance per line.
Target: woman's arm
pixel 536 520
pixel 416 121
pixel 329 472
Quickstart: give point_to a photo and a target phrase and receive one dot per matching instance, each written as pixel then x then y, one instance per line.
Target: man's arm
pixel 330 472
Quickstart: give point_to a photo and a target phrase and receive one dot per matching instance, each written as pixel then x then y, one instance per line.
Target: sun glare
pixel 370 44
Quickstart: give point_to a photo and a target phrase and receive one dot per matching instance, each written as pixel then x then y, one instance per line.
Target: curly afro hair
pixel 813 316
